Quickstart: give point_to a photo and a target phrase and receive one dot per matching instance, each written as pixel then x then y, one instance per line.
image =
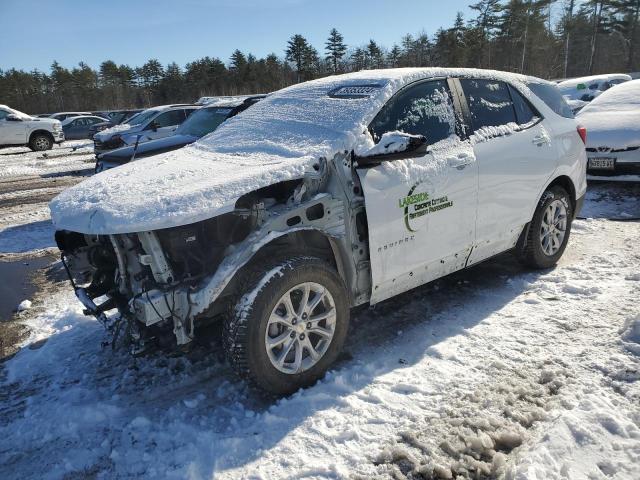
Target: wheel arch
pixel 307 241
pixel 39 131
pixel 567 184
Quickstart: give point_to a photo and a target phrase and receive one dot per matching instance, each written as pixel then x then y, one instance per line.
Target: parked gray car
pixel 78 128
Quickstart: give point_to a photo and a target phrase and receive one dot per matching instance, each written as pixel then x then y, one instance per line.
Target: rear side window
pixel 422 109
pixel 550 95
pixel 489 102
pixel 524 111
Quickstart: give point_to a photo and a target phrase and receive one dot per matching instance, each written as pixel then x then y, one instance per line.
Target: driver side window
pixel 422 109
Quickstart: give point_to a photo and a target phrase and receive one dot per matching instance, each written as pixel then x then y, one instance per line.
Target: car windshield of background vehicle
pixel 423 109
pixel 142 117
pixel 204 121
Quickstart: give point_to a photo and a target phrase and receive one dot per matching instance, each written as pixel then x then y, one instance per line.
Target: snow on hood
pixel 178 188
pixel 108 132
pixel 277 139
pixel 613 119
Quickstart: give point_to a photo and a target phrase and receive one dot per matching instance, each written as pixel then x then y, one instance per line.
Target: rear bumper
pixel 626 162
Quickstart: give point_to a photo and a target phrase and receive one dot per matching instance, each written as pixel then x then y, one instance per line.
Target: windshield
pixel 141 117
pixel 18 113
pixel 204 121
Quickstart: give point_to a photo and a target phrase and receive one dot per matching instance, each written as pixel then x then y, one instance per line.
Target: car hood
pixel 124 154
pixel 123 128
pixel 46 121
pixel 169 190
pixel 619 129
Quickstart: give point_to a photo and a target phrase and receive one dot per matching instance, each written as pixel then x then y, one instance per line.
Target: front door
pixel 12 132
pixel 421 212
pixel 165 124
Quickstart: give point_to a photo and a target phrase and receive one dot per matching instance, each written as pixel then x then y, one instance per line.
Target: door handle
pixel 540 140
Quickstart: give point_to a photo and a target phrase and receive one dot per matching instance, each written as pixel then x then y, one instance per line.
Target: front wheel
pixel 40 142
pixel 288 325
pixel 549 230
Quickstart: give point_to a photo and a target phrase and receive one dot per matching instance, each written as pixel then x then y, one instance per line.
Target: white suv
pixel 326 195
pixel 18 129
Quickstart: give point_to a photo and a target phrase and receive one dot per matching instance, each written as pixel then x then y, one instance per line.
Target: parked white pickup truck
pixel 19 129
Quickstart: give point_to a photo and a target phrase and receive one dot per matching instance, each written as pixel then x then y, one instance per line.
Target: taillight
pixel 583 134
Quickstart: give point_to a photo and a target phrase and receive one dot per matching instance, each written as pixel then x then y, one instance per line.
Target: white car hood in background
pixel 169 190
pixel 617 130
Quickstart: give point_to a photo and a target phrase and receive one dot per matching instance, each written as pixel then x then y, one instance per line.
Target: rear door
pixel 421 212
pixel 515 159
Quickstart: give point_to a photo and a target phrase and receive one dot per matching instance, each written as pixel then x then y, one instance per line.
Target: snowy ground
pixel 495 372
pixel 28 180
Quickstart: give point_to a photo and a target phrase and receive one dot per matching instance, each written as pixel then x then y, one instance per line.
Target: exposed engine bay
pixel 165 283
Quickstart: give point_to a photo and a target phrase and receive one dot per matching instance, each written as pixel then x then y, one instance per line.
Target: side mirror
pixel 13 118
pixel 153 126
pixel 393 146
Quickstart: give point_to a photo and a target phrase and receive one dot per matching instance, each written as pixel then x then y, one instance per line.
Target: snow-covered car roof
pixel 571 87
pixel 613 119
pixel 224 100
pixel 279 138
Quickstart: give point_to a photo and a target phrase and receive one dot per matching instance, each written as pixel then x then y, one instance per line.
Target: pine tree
pixel 298 52
pixel 335 48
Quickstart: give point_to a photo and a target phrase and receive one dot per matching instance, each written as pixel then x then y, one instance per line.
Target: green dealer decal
pixel 417 205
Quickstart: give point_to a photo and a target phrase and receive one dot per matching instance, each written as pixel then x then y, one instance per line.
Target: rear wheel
pixel 289 324
pixel 40 142
pixel 548 234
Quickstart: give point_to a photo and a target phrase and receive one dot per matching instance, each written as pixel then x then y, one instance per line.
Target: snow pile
pixel 630 331
pixel 486 133
pixel 24 305
pixel 390 142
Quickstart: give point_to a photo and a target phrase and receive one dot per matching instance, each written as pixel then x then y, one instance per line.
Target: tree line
pixel 545 38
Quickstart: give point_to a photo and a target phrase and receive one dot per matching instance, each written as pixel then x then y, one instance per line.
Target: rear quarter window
pixel 552 97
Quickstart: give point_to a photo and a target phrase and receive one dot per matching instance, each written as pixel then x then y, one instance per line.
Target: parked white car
pixel 325 195
pixel 613 142
pixel 588 88
pixel 19 129
pixel 150 124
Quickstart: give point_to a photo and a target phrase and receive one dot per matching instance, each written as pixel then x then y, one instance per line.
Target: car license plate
pixel 602 163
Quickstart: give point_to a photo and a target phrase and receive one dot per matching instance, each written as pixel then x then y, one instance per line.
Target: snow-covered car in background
pixel 588 88
pixel 150 124
pixel 613 142
pixel 199 124
pixel 325 195
pixel 18 129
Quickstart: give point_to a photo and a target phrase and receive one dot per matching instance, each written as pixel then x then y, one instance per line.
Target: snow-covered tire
pixel 40 142
pixel 250 324
pixel 546 239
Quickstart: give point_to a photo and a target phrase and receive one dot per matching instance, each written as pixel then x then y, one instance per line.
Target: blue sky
pixel 34 33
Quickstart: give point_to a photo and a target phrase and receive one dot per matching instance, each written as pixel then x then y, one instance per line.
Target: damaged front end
pixel 148 276
pixel 165 283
